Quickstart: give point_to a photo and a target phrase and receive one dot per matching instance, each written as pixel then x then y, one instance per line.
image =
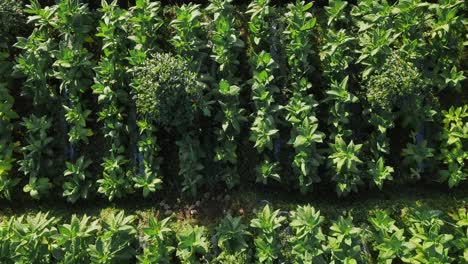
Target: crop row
pixel 280 94
pixel 299 236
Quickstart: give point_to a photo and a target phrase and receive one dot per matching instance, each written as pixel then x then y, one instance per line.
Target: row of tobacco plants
pixel 272 236
pixel 113 101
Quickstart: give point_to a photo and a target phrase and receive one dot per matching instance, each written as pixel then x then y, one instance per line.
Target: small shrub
pixel 167 91
pixel 396 85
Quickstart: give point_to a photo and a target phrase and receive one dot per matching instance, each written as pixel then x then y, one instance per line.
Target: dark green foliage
pixel 6 142
pixel 190 167
pixel 12 21
pixel 398 84
pixel 37 156
pixel 226 47
pixel 232 238
pixel 167 91
pixel 168 95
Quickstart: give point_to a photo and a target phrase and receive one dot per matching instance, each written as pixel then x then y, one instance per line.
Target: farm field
pixel 222 131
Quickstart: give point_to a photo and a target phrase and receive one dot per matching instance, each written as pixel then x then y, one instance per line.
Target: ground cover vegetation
pixel 125 100
pixel 299 235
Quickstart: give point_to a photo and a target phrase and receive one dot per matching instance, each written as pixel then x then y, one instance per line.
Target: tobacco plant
pixel 32 237
pixel 189 45
pixel 344 242
pixel 115 243
pixel 267 244
pixel 263 129
pixel 447 40
pixel 72 240
pixel 460 230
pixel 375 39
pixel 232 240
pixel 415 155
pixel 112 99
pixel 73 68
pixel 35 61
pixel 37 156
pixel 190 155
pixel 428 243
pixel 157 247
pixel 188 40
pixel 80 184
pixel 259 24
pixel 453 154
pixel 379 172
pixel 226 47
pixel 148 180
pixel 346 161
pixel 7 243
pixel 307 236
pixel 302 105
pixel 144 23
pixel 388 239
pixel 192 244
pixel 336 58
